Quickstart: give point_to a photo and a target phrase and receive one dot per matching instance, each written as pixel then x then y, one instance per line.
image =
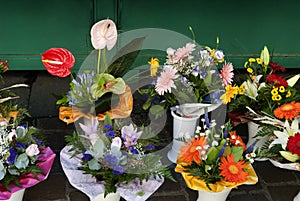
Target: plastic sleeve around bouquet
pixel 92 188
pixel 288 166
pixel 195 183
pixel 70 114
pixel 46 159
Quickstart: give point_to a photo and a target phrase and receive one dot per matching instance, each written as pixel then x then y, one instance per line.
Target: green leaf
pixel 237 152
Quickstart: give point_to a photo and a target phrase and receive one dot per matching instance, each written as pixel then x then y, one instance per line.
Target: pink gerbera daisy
pixel 165 81
pixel 183 52
pixel 227 74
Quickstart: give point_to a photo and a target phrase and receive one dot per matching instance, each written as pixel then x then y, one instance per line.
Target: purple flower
pixel 118 170
pixel 149 147
pixel 108 127
pixel 38 142
pixel 12 156
pixel 206 120
pixel 130 135
pixel 20 145
pixel 86 157
pixel 110 134
pixel 111 160
pixel 133 150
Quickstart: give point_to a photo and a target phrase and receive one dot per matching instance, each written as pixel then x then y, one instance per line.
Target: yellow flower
pixel 245 64
pixel 277 97
pixel 273 98
pixel 251 60
pixel 242 89
pixel 258 60
pixel 154 64
pixel 230 92
pixel 250 70
pixel 274 91
pixel 288 94
pixel 281 89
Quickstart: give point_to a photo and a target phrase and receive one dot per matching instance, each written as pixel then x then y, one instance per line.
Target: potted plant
pixel 215 161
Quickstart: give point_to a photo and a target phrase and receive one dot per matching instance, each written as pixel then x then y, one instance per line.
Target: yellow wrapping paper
pixel 195 183
pixel 70 114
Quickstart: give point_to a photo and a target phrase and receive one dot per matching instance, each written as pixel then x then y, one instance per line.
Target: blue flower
pixel 118 170
pixel 86 157
pixel 38 142
pixel 111 160
pixel 149 147
pixel 110 134
pixel 108 127
pixel 12 157
pixel 206 120
pixel 133 150
pixel 20 145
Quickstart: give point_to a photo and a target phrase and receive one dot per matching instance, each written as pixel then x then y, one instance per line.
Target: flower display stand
pixel 17 196
pixel 109 197
pixel 215 196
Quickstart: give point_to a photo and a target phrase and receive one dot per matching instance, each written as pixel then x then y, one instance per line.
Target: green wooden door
pixel 30 27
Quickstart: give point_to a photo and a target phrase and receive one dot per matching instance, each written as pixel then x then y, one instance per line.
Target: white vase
pixel 182 127
pixel 110 197
pixel 252 131
pixel 16 196
pixel 213 196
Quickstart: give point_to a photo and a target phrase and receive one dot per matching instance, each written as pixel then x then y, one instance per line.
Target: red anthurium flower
pixel 293 144
pixel 58 61
pixel 277 80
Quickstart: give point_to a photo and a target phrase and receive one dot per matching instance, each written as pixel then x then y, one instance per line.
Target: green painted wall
pixel 30 27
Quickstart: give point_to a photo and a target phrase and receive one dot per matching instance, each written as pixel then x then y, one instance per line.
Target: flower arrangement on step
pixel 262 89
pixel 189 75
pixel 282 129
pixel 118 158
pixel 25 160
pixel 107 156
pixel 215 159
pixel 93 88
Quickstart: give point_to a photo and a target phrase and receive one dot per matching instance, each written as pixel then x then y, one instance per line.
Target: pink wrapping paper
pixel 46 159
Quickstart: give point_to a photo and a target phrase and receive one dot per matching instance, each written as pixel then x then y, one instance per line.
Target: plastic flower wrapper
pixel 284 136
pixel 112 158
pixel 24 160
pixel 215 159
pixel 189 75
pixel 263 88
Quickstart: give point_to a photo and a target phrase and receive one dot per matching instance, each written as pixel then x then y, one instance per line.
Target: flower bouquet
pixel 263 89
pixel 282 129
pixel 190 84
pixel 109 157
pixel 215 161
pixel 24 159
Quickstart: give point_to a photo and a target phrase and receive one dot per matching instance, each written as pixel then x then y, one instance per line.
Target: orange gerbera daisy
pixel 193 150
pixel 236 140
pixel 287 111
pixel 233 171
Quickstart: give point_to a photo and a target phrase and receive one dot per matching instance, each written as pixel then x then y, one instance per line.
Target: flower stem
pixel 99 61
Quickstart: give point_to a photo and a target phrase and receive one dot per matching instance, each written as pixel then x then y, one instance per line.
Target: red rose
pixel 58 61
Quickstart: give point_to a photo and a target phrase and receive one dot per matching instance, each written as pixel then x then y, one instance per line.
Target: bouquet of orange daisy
pixel 215 159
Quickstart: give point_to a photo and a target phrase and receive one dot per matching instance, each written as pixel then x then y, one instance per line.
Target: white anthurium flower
pixel 104 34
pixel 250 89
